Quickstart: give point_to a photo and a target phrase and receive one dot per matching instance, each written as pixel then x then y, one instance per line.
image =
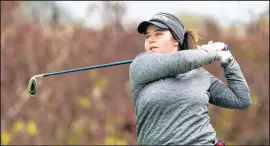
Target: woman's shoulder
pixel 141 54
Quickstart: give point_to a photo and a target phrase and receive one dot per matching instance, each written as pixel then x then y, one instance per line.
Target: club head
pixel 32 90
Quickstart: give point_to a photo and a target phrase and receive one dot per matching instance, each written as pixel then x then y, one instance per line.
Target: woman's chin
pixel 155 51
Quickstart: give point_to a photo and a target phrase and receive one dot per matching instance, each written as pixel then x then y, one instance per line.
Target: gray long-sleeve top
pixel 171 94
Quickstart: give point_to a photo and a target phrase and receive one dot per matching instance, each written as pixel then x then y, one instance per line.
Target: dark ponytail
pixel 191 40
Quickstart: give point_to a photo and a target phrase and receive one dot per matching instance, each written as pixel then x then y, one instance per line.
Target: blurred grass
pixel 5 138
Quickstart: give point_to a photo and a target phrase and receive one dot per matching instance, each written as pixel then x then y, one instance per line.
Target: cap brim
pixel 143 26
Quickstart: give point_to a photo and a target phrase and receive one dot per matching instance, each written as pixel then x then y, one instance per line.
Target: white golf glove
pixel 216 46
pixel 223 56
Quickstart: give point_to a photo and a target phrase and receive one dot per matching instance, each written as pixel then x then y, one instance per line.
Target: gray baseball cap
pixel 165 21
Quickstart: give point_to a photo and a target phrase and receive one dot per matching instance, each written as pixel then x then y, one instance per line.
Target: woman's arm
pixel 235 94
pixel 148 67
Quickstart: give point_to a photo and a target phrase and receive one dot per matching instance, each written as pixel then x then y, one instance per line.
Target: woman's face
pixel 159 41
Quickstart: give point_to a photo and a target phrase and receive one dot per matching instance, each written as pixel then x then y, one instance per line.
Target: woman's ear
pixel 176 43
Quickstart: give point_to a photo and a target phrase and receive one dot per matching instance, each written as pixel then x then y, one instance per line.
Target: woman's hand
pixel 218 46
pixel 222 55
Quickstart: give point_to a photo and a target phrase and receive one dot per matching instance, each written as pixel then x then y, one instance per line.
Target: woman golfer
pixel 171 90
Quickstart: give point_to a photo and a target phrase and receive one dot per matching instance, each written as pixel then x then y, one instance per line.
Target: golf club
pixel 32 90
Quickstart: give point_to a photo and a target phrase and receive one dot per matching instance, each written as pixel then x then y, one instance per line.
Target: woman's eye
pixel 158 34
pixel 147 36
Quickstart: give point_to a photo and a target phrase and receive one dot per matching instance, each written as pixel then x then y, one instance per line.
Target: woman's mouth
pixel 153 48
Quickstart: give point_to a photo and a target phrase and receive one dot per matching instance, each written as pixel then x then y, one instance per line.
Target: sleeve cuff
pixel 227 62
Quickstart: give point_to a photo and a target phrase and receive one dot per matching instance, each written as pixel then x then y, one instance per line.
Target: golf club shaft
pixel 226 48
pixel 87 68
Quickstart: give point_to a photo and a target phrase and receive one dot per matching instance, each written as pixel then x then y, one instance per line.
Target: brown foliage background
pixel 95 107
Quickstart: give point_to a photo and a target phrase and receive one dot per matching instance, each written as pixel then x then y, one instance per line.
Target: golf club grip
pixel 226 48
pixel 89 67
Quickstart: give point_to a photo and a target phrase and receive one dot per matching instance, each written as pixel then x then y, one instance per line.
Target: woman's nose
pixel 150 40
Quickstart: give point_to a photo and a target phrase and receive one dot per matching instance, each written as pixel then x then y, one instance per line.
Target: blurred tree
pixel 6 12
pixel 2 6
pixel 55 16
pixel 112 17
pixel 190 20
pixel 44 12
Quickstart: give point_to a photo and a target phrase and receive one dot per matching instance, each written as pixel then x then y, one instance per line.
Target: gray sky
pixel 222 11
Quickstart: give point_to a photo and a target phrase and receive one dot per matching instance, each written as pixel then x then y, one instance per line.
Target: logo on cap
pixel 162 17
